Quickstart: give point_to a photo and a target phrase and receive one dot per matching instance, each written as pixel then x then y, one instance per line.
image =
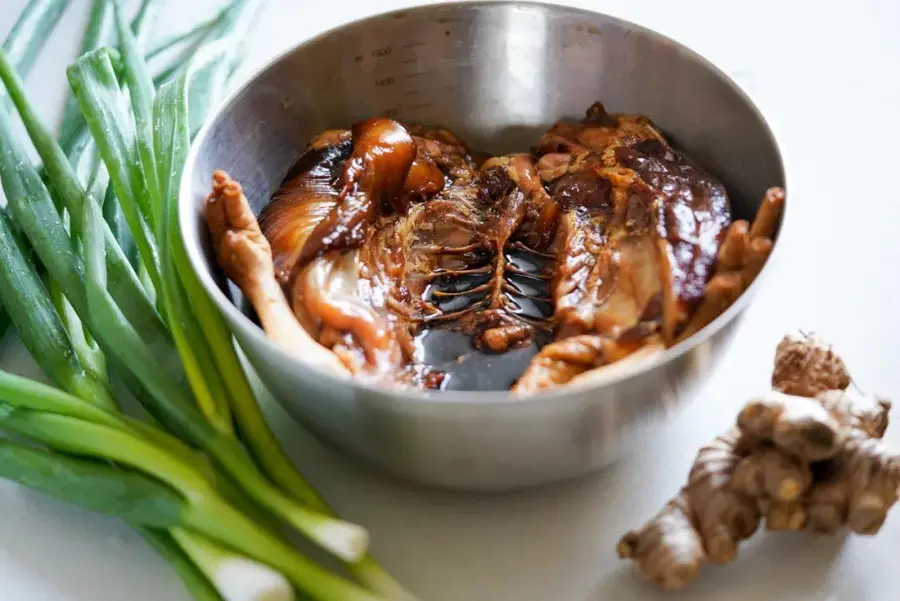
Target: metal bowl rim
pixel 187 219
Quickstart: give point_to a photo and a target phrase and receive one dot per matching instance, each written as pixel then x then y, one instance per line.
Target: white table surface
pixel 827 76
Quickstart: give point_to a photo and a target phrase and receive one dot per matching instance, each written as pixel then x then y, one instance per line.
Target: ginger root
pixel 806 455
pixel 806 366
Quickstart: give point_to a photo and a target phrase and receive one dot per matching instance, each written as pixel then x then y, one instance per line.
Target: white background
pixel 827 76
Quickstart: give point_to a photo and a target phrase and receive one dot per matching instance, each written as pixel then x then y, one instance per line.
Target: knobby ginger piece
pixel 863 413
pixel 858 490
pixel 769 473
pixel 707 511
pixel 786 516
pixel 805 455
pixel 668 549
pixel 768 214
pixel 799 425
pixel 806 366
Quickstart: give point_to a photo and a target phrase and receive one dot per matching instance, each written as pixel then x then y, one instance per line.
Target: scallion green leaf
pixel 171 141
pixel 94 83
pixel 143 21
pixel 34 211
pixel 86 350
pixel 96 34
pixel 23 43
pixel 124 284
pixel 210 83
pixel 194 34
pixel 92 484
pixel 141 91
pixel 28 304
pixel 31 31
pixel 18 391
pixel 24 392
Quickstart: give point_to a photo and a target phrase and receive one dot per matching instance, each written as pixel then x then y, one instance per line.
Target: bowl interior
pixel 496 73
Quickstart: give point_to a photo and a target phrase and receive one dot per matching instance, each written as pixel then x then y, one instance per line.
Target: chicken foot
pixel 245 256
pixel 564 360
pixel 740 259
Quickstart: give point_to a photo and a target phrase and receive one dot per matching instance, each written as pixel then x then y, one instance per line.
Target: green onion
pixel 95 489
pixel 140 87
pixel 205 512
pixel 93 485
pixel 86 349
pixel 41 397
pixel 141 500
pixel 208 87
pixel 144 20
pixel 23 392
pixel 31 31
pixel 124 283
pixel 171 142
pixel 197 584
pixel 26 38
pixel 245 579
pixel 170 402
pixel 35 213
pixel 29 307
pixel 98 31
pixel 121 153
pixel 95 85
pixel 194 34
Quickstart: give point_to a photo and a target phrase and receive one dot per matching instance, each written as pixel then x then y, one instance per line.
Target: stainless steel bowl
pixel 498 73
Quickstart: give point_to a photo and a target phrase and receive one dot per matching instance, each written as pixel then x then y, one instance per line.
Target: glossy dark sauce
pixel 467 368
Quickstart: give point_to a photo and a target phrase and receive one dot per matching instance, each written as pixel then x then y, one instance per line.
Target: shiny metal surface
pixel 498 73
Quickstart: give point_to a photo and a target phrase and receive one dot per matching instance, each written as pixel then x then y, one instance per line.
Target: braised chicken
pixel 604 242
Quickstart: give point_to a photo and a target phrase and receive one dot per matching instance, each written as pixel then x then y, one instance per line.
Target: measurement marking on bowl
pixel 382 52
pixel 412 45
